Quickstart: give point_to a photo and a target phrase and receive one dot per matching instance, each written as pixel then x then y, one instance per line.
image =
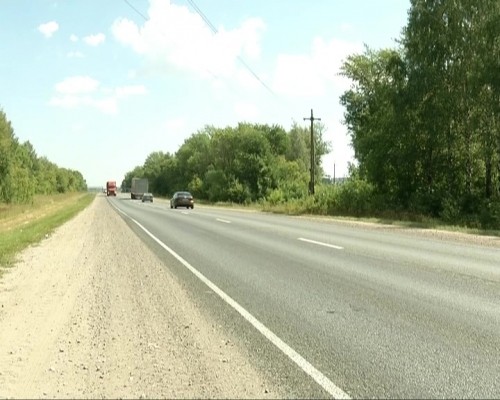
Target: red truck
pixel 111 188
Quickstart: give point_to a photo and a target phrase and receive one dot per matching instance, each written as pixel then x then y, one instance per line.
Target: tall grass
pixel 46 213
pixel 358 199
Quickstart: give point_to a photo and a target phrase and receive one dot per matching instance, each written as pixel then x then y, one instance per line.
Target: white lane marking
pixel 303 364
pixel 223 220
pixel 184 212
pixel 320 243
pixel 119 210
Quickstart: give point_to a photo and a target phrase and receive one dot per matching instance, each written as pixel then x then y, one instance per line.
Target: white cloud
pixel 77 85
pixel 49 28
pixel 346 27
pixel 126 91
pixel 84 91
pixel 312 74
pixel 172 132
pixel 249 34
pixel 175 36
pixel 127 32
pixel 95 40
pixel 75 54
pixel 246 111
pixel 175 125
pixel 67 101
pixel 329 57
pixel 247 80
pixel 73 38
pixel 106 105
pixel 296 75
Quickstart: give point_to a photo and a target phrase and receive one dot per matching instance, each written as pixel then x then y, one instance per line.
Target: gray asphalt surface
pixel 381 313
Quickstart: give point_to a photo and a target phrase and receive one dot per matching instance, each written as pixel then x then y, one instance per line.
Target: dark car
pixel 182 199
pixel 147 197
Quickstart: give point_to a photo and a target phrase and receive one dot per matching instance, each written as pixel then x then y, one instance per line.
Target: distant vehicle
pixel 182 199
pixel 138 188
pixel 111 188
pixel 147 197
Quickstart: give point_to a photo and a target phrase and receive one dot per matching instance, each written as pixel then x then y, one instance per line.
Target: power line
pixel 215 31
pixel 203 16
pixel 136 10
pixel 147 19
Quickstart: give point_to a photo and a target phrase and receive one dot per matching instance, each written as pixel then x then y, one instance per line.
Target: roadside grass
pixel 25 225
pixel 397 219
pixel 402 220
pixel 305 207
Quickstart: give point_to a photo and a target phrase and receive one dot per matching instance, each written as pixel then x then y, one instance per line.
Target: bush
pixel 356 197
pixel 451 211
pixel 196 187
pixel 239 193
pixel 275 197
pixel 489 217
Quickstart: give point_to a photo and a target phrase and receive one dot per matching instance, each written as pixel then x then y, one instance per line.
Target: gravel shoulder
pixel 91 312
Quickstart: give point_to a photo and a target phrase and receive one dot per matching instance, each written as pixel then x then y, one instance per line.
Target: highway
pixel 335 310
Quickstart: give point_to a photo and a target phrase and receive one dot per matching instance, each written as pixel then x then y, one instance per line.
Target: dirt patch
pixel 86 314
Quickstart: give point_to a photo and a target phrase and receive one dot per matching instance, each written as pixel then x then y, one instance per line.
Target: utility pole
pixel 311 181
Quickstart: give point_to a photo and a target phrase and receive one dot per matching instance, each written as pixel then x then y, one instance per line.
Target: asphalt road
pixel 376 313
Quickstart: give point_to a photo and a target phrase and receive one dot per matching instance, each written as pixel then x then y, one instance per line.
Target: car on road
pixel 182 199
pixel 147 197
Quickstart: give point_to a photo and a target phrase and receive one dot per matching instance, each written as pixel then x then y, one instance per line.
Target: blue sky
pixel 96 87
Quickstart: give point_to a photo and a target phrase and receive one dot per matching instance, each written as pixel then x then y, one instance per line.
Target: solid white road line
pixel 320 243
pixel 223 220
pixel 302 363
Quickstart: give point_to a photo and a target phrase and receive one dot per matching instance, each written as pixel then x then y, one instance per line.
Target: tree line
pixel 424 117
pixel 240 164
pixel 23 174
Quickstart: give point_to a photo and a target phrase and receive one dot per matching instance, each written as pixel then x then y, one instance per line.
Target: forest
pixel 423 119
pixel 23 174
pixel 239 164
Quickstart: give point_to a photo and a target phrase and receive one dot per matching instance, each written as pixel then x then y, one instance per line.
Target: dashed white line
pixel 225 221
pixel 320 243
pixel 301 362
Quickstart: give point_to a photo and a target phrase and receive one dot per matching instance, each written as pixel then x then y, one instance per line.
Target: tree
pixel 233 163
pixel 447 43
pixel 375 117
pixel 46 176
pixel 423 118
pixel 195 156
pixel 7 139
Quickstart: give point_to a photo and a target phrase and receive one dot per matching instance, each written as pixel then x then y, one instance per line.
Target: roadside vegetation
pixel 22 225
pixel 36 195
pixel 424 123
pixel 424 117
pixel 23 174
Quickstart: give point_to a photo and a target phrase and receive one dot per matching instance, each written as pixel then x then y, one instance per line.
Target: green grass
pixel 298 207
pixel 44 220
pixel 402 220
